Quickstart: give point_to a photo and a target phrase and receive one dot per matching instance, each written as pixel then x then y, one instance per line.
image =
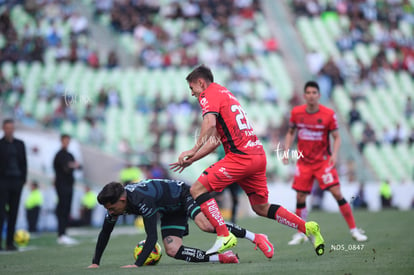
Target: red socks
pixel 348 216
pixel 211 211
pixel 286 217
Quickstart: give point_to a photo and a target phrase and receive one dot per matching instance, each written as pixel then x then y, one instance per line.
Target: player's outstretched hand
pixel 129 266
pixel 93 266
pixel 177 167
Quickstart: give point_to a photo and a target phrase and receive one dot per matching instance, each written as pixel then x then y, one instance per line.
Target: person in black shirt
pixel 354 115
pixel 13 173
pixel 172 200
pixel 64 164
pixel 368 136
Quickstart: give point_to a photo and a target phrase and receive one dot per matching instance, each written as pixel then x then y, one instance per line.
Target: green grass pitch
pixel 389 250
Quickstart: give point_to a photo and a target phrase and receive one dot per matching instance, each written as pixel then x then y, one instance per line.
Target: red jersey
pixel 313 132
pixel 234 128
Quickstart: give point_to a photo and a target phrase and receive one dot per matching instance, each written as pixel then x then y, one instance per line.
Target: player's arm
pixel 103 238
pixel 207 134
pixel 208 126
pixel 150 224
pixel 210 146
pixel 290 136
pixel 336 144
pixel 208 130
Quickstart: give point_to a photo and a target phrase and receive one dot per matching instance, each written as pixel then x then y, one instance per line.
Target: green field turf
pixel 390 250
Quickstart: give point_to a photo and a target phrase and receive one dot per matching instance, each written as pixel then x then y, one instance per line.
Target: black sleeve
pixel 150 224
pixel 24 163
pixel 103 238
pixel 55 162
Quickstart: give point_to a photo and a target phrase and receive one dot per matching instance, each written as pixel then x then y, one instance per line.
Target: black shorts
pixel 176 223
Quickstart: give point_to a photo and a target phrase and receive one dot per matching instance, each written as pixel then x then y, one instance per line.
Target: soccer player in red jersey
pixel 224 121
pixel 314 124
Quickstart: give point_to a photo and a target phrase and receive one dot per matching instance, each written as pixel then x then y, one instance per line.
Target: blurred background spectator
pixel 385 194
pixel 33 204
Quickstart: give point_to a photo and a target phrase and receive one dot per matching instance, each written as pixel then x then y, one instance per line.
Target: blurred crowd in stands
pixel 209 20
pixel 204 34
pixel 363 17
pixel 29 48
pixel 53 26
pixel 394 135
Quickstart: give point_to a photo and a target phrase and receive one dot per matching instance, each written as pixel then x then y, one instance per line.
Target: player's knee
pixel 301 197
pixel 261 209
pixel 260 212
pixel 192 188
pixel 197 189
pixel 337 195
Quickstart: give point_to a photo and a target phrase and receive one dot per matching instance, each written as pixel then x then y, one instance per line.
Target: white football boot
pixel 298 238
pixel 358 235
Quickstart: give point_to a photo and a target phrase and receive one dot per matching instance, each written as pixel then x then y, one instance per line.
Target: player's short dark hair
pixel 35 184
pixel 313 84
pixel 7 121
pixel 62 136
pixel 111 193
pixel 201 71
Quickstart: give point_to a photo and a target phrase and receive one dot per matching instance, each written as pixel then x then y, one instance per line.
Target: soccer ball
pixel 153 258
pixel 21 237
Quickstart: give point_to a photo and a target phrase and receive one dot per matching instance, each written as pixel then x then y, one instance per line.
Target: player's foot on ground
pixel 11 247
pixel 66 240
pixel 358 235
pixel 228 257
pixel 298 238
pixel 264 245
pixel 222 244
pixel 314 234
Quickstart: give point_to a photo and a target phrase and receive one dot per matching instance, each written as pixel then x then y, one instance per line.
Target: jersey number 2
pixel 240 116
pixel 327 178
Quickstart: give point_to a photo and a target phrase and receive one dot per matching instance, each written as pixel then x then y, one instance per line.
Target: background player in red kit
pixel 224 121
pixel 314 124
